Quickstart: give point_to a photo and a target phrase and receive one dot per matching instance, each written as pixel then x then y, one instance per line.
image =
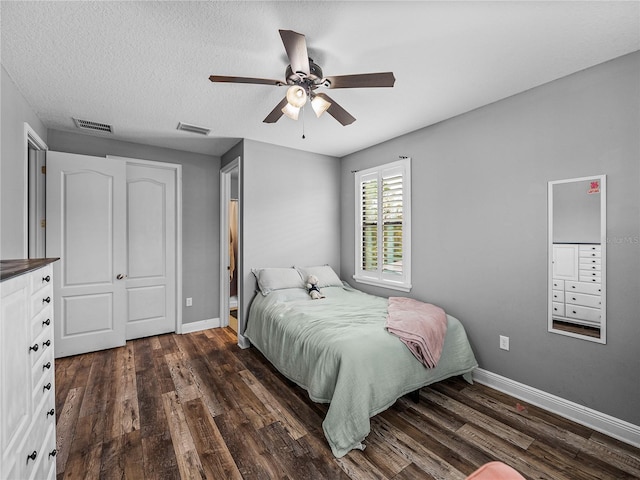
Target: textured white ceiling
pixel 144 66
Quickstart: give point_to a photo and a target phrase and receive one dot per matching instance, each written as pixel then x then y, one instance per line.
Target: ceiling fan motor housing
pixel 313 79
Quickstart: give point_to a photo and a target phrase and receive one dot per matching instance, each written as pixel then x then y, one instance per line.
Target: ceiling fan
pixel 303 77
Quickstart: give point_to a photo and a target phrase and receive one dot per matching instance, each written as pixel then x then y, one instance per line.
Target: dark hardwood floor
pixel 197 406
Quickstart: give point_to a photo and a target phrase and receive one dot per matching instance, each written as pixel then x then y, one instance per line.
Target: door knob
pixel 121 276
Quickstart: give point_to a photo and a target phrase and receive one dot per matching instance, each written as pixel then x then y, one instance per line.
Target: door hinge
pixel 43 169
pixel 43 223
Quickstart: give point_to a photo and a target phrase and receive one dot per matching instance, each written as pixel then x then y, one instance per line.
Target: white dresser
pixel 577 283
pixel 27 390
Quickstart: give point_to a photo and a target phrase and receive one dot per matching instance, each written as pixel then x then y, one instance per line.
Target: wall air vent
pixel 94 126
pixel 187 127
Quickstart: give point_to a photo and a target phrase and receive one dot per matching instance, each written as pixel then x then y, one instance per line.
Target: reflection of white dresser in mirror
pixel 576 283
pixel 577 241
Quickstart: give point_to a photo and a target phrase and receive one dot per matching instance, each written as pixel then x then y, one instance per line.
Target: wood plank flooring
pixel 197 406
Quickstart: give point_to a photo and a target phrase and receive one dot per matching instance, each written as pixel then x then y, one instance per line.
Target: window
pixel 383 225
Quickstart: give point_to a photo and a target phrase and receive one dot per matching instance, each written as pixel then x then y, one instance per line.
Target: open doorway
pixel 233 255
pixel 230 245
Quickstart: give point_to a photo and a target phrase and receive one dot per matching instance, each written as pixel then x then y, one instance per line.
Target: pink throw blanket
pixel 420 326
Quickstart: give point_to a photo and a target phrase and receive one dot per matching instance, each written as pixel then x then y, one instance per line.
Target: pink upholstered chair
pixel 495 471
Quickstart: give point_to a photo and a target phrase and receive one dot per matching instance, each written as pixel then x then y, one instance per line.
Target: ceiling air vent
pixel 94 126
pixel 187 127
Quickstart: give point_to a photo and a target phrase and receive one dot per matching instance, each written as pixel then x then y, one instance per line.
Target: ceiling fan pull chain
pixel 303 137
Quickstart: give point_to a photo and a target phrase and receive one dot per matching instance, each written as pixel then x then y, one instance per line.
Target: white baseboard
pixel 243 342
pixel 614 427
pixel 200 325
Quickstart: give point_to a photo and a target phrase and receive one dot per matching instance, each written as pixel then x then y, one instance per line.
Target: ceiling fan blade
pixel 383 79
pixel 296 47
pixel 276 113
pixel 259 81
pixel 336 111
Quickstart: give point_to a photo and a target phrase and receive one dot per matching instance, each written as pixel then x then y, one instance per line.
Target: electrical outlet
pixel 189 301
pixel 504 342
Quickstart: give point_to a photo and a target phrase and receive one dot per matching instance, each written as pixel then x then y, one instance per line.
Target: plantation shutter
pixel 370 221
pixel 383 206
pixel 392 200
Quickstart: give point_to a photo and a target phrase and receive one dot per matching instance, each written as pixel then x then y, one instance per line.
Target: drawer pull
pixel 53 453
pixel 33 456
pixel 34 347
pixel 575 313
pixel 46 322
pixel 51 412
pixel 46 279
pixel 47 343
pixel 46 366
pixel 48 385
pixel 46 300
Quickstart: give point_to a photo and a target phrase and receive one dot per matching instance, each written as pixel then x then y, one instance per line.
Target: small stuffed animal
pixel 312 287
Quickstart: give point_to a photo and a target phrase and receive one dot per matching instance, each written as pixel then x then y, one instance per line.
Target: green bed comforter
pixel 337 349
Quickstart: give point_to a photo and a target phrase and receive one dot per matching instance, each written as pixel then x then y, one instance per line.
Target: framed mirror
pixel 577 258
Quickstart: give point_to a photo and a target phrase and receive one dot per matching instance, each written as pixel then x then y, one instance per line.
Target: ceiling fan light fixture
pixel 319 105
pixel 296 96
pixel 291 111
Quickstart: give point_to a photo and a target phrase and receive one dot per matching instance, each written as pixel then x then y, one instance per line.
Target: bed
pixel 337 349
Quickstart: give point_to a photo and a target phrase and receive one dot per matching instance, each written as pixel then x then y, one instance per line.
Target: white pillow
pixel 326 276
pixel 270 279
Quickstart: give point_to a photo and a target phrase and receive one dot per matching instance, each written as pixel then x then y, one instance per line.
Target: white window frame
pixel 379 278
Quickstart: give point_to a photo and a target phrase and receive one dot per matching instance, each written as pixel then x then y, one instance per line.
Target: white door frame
pixel 177 168
pixel 33 140
pixel 225 198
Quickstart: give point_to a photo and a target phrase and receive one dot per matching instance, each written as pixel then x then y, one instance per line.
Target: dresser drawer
pixel 590 277
pixel 557 284
pixel 590 267
pixel 583 287
pixel 558 309
pixel 41 279
pixel 557 295
pixel 42 370
pixel 583 313
pixel 42 394
pixel 590 251
pixel 588 261
pixel 42 322
pixel 41 300
pixel 584 300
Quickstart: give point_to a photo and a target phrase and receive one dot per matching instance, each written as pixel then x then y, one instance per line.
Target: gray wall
pixel 13 214
pixel 480 227
pixel 290 211
pixel 200 212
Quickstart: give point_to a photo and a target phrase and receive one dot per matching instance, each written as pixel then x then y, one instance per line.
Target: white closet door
pixel 86 228
pixel 151 258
